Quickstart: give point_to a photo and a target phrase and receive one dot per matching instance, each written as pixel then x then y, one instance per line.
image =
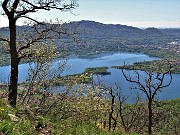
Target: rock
pixel 13 117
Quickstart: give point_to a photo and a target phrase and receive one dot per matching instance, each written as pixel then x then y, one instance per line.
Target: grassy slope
pixel 22 120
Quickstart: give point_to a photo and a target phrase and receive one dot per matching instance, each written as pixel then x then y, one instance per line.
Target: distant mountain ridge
pixel 92 29
pixel 97 37
pixel 115 30
pixel 103 29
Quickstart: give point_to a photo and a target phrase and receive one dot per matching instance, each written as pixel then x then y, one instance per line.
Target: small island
pixel 85 77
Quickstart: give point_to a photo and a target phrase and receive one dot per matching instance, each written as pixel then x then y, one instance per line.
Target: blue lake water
pixel 170 92
pixel 79 64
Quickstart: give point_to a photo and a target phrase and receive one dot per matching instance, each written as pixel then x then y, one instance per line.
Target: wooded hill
pixel 96 30
pixel 94 37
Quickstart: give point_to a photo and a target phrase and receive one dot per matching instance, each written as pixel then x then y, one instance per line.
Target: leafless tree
pixel 153 83
pixel 16 9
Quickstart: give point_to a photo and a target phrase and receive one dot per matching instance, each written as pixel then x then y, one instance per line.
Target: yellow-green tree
pixel 16 9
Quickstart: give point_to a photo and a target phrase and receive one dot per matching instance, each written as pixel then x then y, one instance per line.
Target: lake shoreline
pixel 89 56
pixel 76 64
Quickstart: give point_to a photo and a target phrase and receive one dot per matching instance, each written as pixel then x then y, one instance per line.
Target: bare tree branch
pixel 14 10
pixel 4 6
pixel 4 39
pixel 151 87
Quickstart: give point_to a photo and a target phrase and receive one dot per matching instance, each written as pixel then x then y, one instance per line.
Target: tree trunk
pixel 150 117
pixel 12 97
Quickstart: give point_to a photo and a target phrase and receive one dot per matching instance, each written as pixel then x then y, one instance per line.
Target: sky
pixel 137 13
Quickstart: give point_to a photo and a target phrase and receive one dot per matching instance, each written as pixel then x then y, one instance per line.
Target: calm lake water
pixel 79 64
pixel 171 92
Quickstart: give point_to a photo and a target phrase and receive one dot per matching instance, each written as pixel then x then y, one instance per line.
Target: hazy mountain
pixel 96 30
pixel 99 37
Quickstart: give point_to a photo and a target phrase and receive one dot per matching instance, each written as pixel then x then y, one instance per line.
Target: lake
pixel 171 92
pixel 79 64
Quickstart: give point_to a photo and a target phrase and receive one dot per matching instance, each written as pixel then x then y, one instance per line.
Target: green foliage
pixel 85 128
pixel 6 127
pixel 11 124
pixel 97 71
pixel 82 114
pixel 85 77
pixel 100 38
pixel 4 59
pixel 151 66
pixel 171 116
pixel 22 127
pixel 3 113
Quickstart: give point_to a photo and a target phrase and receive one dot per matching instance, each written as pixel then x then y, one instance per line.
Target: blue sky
pixel 139 13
